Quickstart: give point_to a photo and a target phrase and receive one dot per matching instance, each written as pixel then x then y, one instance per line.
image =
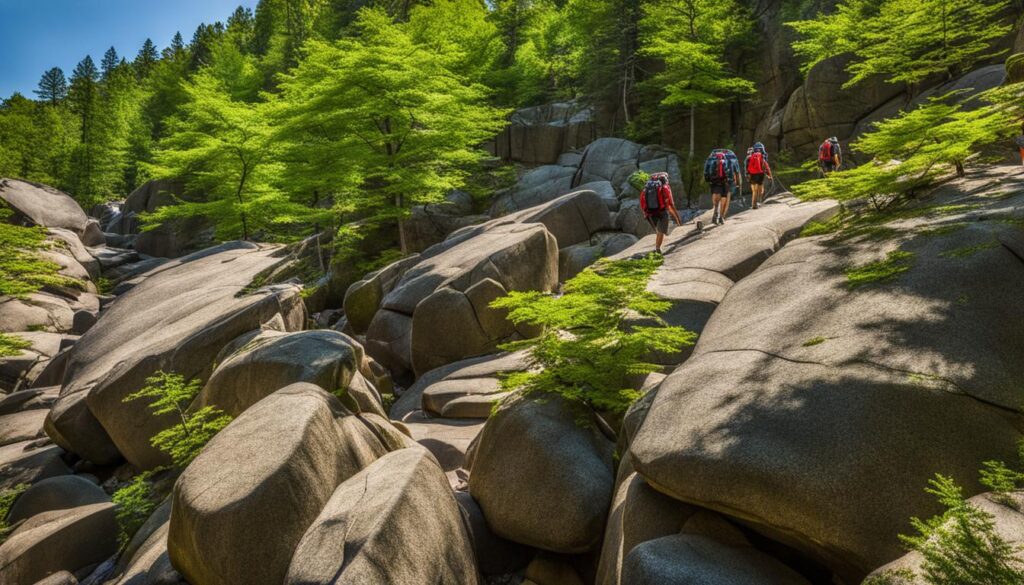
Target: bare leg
pixel 715 200
pixel 725 205
pixel 658 239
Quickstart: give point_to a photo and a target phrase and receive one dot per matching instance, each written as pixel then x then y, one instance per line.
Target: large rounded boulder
pixel 396 521
pixel 542 473
pixel 273 468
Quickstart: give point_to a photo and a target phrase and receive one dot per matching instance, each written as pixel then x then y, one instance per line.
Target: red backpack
pixel 755 164
pixel 825 151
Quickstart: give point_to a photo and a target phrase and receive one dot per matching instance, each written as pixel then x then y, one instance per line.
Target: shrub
pixel 961 546
pixel 172 395
pixel 135 502
pixel 587 349
pixel 638 179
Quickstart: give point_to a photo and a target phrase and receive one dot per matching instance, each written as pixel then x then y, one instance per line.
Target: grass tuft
pixel 896 263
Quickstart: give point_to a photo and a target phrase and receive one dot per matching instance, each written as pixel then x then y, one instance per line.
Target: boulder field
pixel 834 375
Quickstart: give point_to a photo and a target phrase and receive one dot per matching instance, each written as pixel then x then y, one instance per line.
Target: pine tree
pixel 176 48
pixel 406 127
pixel 241 27
pixel 146 59
pixel 110 61
pixel 84 99
pixel 53 87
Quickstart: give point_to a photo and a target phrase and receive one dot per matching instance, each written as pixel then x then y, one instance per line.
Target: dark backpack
pixel 715 168
pixel 652 196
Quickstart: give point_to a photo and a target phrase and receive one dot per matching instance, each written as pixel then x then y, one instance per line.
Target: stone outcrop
pixel 272 360
pixel 685 559
pixel 699 269
pixel 542 133
pixel 171 240
pixel 430 224
pixel 59 540
pixel 603 167
pixel 396 521
pixel 438 313
pixel 771 405
pixel 175 320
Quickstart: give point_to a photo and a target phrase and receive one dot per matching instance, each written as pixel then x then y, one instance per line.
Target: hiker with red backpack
pixel 722 172
pixel 830 156
pixel 757 169
pixel 657 204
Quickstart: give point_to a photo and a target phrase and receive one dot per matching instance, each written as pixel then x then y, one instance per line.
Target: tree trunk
pixel 401 227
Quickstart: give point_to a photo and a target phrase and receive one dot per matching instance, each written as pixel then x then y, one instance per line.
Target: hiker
pixel 722 172
pixel 757 169
pixel 657 204
pixel 830 156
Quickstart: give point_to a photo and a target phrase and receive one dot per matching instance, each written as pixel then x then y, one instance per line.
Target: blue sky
pixel 39 34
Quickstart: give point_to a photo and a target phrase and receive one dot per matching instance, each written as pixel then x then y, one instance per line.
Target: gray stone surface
pixel 273 468
pixel 175 320
pixel 62 540
pixel 41 205
pixel 273 360
pixel 524 481
pixel 697 560
pixel 759 412
pixel 396 521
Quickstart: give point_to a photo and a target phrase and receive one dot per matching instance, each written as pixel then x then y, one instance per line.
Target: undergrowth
pixel 168 393
pixel 896 263
pixel 11 345
pixel 589 345
pixel 22 270
pixel 7 498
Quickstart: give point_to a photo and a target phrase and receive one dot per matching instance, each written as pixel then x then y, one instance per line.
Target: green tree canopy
pixel 383 120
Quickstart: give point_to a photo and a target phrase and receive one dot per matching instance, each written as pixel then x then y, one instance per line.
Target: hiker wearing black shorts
pixel 830 156
pixel 722 173
pixel 757 169
pixel 658 206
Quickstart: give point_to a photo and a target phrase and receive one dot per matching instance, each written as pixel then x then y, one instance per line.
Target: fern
pixel 11 345
pixel 961 546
